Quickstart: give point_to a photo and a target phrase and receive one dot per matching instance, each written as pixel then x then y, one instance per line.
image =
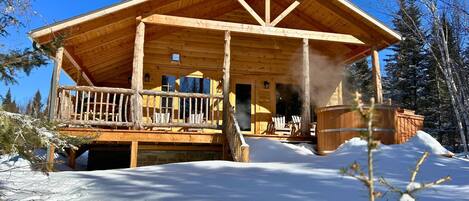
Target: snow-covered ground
pixel 277 172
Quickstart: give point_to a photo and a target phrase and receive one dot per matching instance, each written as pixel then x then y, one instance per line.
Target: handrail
pixel 106 106
pixel 238 146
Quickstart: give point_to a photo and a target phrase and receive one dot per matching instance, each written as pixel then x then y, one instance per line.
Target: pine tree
pixel 404 66
pixel 36 105
pixel 9 104
pixel 359 79
pixel 18 60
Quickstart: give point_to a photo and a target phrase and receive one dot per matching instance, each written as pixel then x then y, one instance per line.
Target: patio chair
pixel 280 125
pixel 196 119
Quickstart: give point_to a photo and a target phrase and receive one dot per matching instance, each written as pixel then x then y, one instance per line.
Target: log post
pixel 377 76
pixel 226 81
pixel 133 154
pixel 55 82
pixel 137 75
pixel 267 12
pixel 50 158
pixel 72 158
pixel 306 109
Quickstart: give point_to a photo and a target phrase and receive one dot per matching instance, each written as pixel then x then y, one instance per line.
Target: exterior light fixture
pixel 266 85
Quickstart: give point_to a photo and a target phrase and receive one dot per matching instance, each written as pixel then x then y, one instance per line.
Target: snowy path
pixel 278 172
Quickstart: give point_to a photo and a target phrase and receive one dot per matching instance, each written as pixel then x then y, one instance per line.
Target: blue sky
pixel 50 11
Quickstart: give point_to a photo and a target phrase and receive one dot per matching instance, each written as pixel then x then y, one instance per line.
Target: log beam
pixel 137 76
pixel 250 29
pixel 81 71
pixel 284 14
pixel 72 158
pixel 376 70
pixel 306 109
pixel 226 80
pixel 252 12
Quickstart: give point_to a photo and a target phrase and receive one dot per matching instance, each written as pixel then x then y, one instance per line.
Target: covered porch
pixel 211 68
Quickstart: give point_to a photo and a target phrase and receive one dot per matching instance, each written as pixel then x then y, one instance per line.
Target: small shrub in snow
pixel 21 135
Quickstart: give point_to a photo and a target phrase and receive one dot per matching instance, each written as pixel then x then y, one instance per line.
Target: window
pixel 289 102
pixel 168 84
pixel 193 105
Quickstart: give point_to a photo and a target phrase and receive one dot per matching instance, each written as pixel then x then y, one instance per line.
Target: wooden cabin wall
pixel 254 61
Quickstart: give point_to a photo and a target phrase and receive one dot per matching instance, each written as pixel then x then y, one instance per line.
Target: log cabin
pixel 161 81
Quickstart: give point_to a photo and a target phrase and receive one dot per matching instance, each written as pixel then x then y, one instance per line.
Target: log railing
pixel 238 146
pixel 94 106
pixel 175 109
pixel 104 106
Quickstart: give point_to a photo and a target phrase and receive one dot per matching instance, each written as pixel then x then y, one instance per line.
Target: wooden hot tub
pixel 337 124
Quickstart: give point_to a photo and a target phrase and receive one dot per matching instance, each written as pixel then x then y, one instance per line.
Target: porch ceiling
pixel 103 45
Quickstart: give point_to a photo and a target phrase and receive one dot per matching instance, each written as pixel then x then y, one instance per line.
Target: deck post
pixel 55 82
pixel 133 154
pixel 72 158
pixel 137 75
pixel 50 158
pixel 306 109
pixel 377 76
pixel 226 80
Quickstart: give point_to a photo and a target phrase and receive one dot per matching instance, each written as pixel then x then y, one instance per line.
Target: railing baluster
pixel 106 117
pixel 88 106
pixel 75 116
pixel 206 108
pixel 125 108
pixel 101 107
pixel 121 99
pixel 184 110
pixel 190 109
pixel 172 110
pixel 147 107
pixel 154 110
pixel 94 105
pixel 82 117
pixel 113 113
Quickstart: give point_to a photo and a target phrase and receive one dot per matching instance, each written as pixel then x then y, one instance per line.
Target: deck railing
pixel 238 146
pixel 190 110
pixel 98 106
pixel 104 106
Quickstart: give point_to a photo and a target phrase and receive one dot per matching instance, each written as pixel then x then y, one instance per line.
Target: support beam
pixel 306 109
pixel 250 29
pixel 377 76
pixel 133 154
pixel 50 158
pixel 78 67
pixel 226 80
pixel 252 12
pixel 55 82
pixel 137 76
pixel 267 12
pixel 72 158
pixel 285 13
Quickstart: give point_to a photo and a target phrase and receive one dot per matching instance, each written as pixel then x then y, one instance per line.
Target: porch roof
pixel 91 39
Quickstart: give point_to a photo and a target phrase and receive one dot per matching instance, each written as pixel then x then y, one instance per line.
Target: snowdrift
pixel 277 172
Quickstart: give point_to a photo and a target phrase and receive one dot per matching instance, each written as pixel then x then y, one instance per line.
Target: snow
pixel 277 172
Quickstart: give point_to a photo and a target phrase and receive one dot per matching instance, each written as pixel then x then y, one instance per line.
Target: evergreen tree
pixel 18 60
pixel 9 104
pixel 359 78
pixel 36 105
pixel 404 66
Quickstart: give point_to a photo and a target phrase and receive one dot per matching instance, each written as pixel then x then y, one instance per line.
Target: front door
pixel 243 106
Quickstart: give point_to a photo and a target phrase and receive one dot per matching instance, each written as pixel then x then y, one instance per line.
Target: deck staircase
pixel 238 147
